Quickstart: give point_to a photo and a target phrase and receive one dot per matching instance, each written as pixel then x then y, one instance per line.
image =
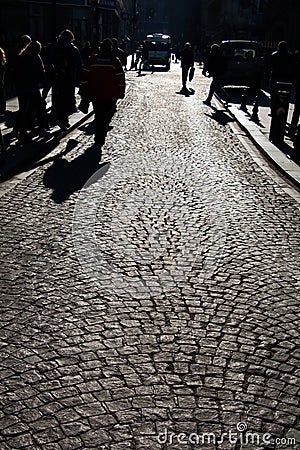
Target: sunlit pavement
pixel 156 304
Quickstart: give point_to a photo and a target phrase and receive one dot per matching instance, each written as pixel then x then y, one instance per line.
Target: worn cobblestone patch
pixel 157 302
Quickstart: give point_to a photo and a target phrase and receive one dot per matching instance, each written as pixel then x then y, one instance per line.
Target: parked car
pixel 244 63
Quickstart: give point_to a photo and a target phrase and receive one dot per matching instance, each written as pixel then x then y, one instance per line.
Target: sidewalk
pixel 259 134
pixel 15 157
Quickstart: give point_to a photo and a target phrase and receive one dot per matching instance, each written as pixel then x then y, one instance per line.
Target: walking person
pixel 103 83
pixel 86 52
pixel 2 90
pixel 47 55
pixel 144 57
pixel 67 67
pixel 30 76
pixel 119 52
pixel 282 69
pixel 12 75
pixel 214 67
pixel 296 112
pixel 11 63
pixel 186 56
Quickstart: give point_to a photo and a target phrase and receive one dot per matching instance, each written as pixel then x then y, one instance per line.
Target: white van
pixel 159 49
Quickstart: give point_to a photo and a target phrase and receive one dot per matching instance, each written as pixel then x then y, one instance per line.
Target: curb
pixel 286 166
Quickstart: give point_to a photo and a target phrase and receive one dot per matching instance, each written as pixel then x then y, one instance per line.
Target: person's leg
pixel 41 112
pixel 62 103
pixel 2 98
pixel 220 91
pixel 296 113
pixel 103 115
pixel 72 107
pixel 210 92
pixel 273 96
pixel 185 70
pixel 23 115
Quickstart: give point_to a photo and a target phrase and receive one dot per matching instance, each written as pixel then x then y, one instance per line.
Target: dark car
pixel 244 64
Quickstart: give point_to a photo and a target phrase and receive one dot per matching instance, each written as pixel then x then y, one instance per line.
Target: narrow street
pixel 150 300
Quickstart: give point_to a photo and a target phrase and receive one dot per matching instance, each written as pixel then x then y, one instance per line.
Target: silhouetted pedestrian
pixel 144 57
pixel 47 55
pixel 215 67
pixel 67 64
pixel 103 83
pixel 282 69
pixel 2 74
pixel 11 63
pixel 187 59
pixel 29 79
pixel 86 52
pixel 119 52
pixel 11 73
pixel 296 112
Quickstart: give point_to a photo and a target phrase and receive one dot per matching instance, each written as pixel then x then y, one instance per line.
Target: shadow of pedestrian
pixel 185 92
pixel 287 149
pixel 17 158
pixel 221 117
pixel 66 177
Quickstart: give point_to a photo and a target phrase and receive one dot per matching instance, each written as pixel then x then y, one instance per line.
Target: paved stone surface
pixel 156 305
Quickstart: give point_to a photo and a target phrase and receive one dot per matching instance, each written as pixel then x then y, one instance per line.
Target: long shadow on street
pixel 66 177
pixel 222 117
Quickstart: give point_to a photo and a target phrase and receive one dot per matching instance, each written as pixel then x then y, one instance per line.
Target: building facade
pixel 45 19
pixel 202 22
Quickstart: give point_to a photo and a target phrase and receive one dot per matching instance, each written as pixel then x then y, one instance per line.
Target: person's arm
pixel 120 78
pixel 192 59
pixel 84 76
pixel 205 67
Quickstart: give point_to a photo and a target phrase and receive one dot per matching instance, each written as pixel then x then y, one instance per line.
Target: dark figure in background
pixel 11 73
pixel 282 69
pixel 11 64
pixel 187 59
pixel 296 112
pixel 175 51
pixel 144 57
pixel 119 52
pixel 86 52
pixel 215 67
pixel 47 55
pixel 2 73
pixel 29 79
pixel 67 65
pixel 136 57
pixel 103 83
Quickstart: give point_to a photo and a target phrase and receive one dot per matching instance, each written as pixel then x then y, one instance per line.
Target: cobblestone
pixel 163 295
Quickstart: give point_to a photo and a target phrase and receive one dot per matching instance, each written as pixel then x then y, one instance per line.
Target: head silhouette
pixel 106 46
pixel 214 48
pixel 282 46
pixel 66 36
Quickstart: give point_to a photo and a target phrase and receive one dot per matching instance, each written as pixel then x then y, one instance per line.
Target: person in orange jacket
pixel 103 83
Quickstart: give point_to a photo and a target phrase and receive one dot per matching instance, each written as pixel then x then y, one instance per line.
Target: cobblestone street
pixel 150 300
